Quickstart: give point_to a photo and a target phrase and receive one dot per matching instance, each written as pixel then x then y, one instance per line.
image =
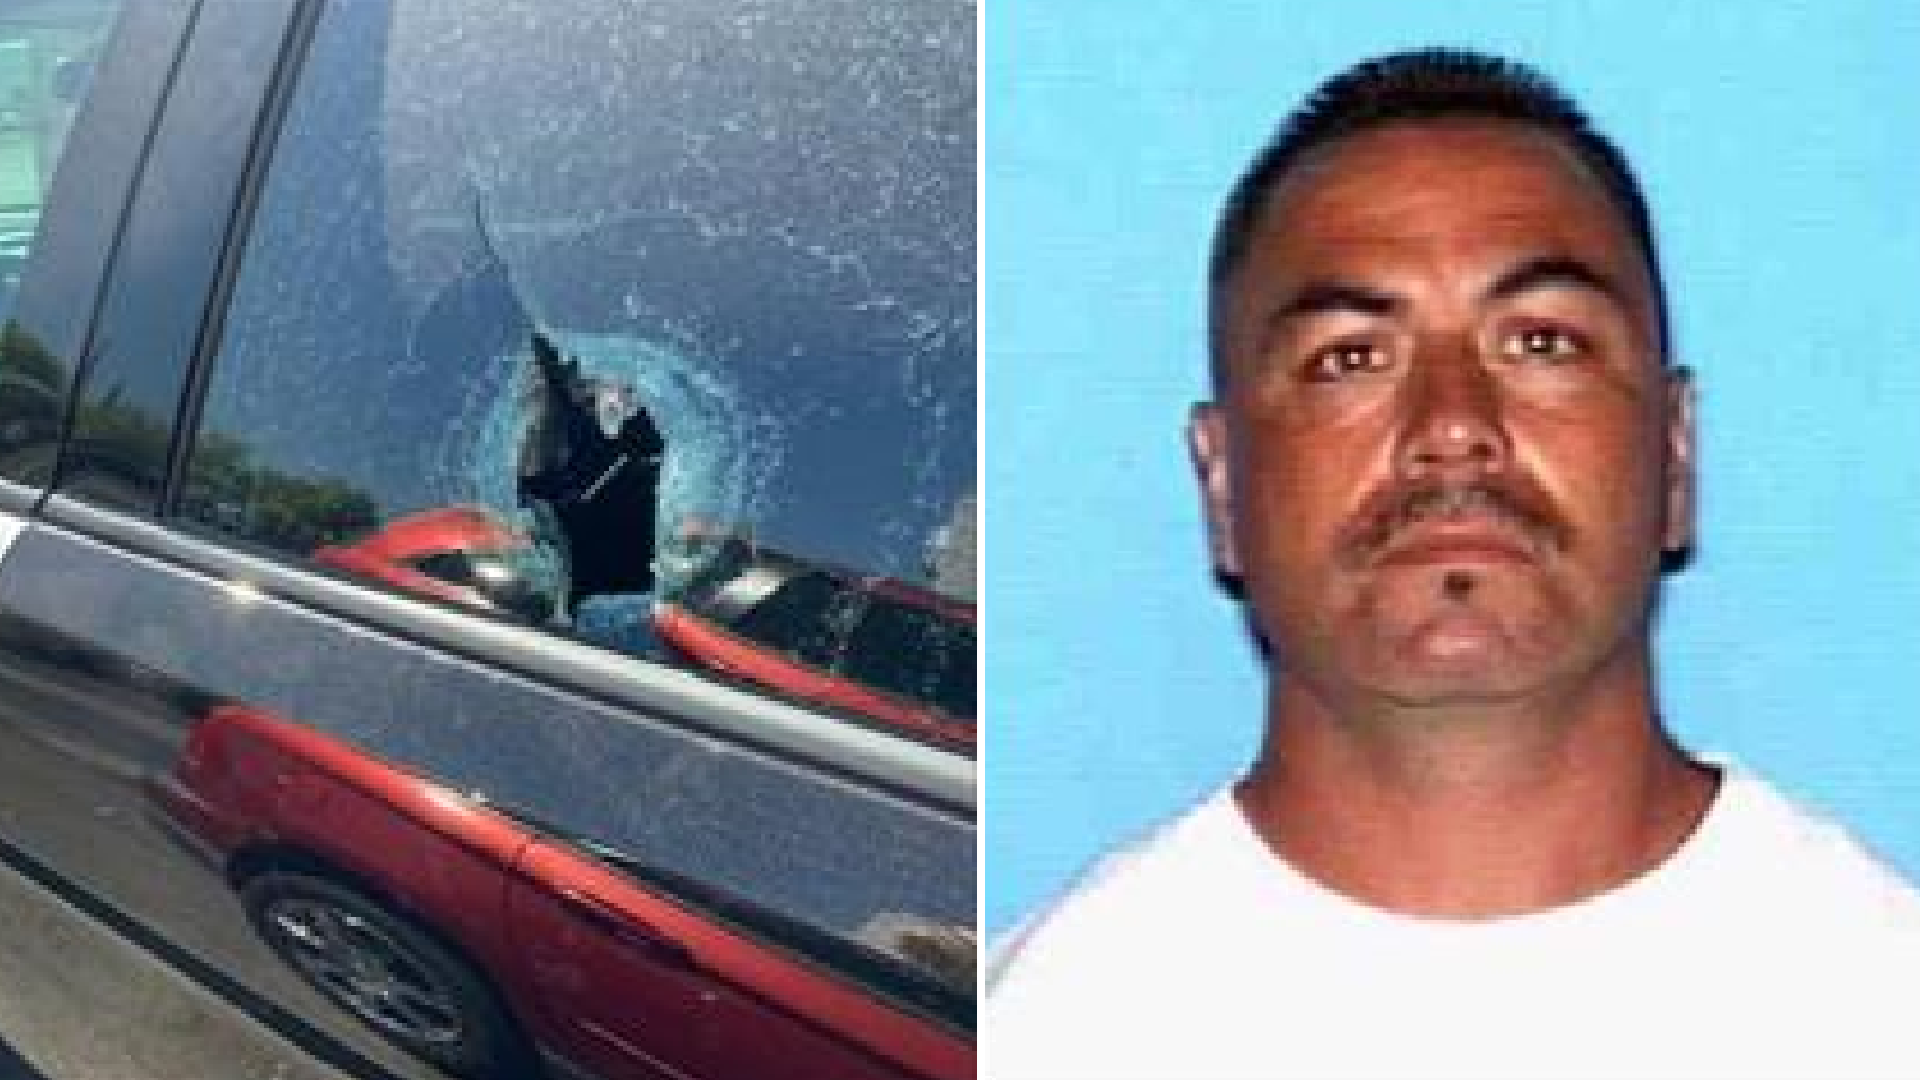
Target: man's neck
pixel 1491 811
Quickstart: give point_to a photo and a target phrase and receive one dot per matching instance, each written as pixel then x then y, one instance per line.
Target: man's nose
pixel 1452 428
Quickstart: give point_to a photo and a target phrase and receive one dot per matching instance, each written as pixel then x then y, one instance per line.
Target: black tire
pixel 388 972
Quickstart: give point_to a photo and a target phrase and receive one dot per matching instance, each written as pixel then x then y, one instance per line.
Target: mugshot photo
pixel 1452 497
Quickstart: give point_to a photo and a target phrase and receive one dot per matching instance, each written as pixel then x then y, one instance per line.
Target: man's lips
pixel 1451 542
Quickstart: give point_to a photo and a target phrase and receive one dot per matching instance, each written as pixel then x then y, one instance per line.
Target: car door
pixel 332 268
pixel 618 956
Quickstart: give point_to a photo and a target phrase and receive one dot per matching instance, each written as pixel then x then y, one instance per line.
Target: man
pixel 1447 461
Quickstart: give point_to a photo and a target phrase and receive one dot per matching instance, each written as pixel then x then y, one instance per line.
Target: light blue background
pixel 1780 147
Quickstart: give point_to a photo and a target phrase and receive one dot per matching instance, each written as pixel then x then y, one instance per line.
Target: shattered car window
pixel 617 320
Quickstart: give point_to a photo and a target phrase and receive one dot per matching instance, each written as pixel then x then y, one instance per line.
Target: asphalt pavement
pixel 78 1002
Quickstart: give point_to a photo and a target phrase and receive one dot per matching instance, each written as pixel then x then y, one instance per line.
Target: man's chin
pixel 1465 662
pixel 1453 693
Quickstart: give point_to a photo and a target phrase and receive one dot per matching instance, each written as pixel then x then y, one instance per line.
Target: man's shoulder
pixel 1131 889
pixel 1796 861
pixel 1075 990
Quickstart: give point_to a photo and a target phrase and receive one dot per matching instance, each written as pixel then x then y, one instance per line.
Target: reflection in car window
pixel 47 56
pixel 46 62
pixel 914 653
pixel 652 327
pixel 800 617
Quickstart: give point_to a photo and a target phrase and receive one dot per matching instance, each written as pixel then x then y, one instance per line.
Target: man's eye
pixel 1343 361
pixel 1549 344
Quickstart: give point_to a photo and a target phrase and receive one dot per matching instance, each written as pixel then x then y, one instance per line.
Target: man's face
pixel 1447 455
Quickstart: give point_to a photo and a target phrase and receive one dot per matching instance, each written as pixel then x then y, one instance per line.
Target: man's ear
pixel 1682 477
pixel 1212 464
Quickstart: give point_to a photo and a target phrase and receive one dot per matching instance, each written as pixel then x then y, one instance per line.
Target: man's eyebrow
pixel 1556 272
pixel 1332 297
pixel 1327 297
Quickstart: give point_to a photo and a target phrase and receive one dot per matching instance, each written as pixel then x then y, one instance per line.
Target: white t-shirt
pixel 1770 945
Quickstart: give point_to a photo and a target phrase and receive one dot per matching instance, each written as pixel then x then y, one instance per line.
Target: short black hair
pixel 1417 85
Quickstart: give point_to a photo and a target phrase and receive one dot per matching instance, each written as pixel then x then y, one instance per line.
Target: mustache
pixel 1397 507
